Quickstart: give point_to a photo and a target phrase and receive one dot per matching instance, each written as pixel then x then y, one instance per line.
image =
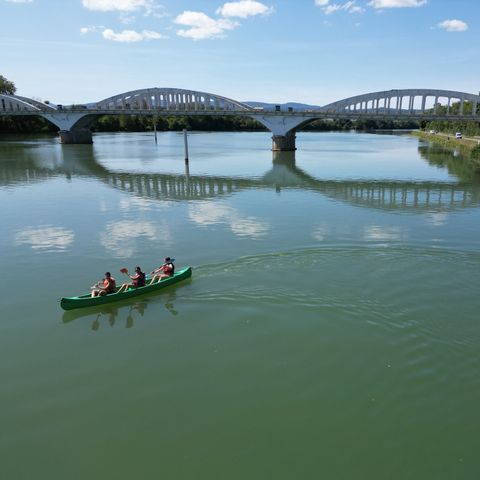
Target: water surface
pixel 330 328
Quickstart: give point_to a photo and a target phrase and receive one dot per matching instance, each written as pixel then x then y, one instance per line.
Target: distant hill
pixel 283 106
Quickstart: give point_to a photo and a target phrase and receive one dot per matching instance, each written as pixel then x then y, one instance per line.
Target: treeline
pixel 468 129
pixel 26 125
pixel 141 123
pixel 362 125
pixel 137 123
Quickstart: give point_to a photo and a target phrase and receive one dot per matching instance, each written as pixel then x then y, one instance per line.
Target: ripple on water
pixel 400 302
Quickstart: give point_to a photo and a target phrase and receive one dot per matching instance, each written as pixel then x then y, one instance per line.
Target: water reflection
pixel 463 167
pixel 119 237
pixel 412 196
pixel 124 316
pixel 208 213
pixel 45 238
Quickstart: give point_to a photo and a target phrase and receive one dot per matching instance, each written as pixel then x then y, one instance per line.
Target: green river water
pixel 330 328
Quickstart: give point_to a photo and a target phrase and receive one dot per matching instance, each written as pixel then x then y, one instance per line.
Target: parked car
pixel 458 135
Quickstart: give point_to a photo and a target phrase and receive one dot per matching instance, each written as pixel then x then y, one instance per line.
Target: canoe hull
pixel 83 301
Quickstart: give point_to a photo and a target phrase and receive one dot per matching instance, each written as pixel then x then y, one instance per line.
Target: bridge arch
pixel 171 99
pixel 15 103
pixel 416 104
pixel 407 101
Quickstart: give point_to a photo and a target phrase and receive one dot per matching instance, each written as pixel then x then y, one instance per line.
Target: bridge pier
pixel 284 143
pixel 283 157
pixel 80 135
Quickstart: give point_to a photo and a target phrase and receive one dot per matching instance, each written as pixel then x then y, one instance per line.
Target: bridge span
pixel 74 121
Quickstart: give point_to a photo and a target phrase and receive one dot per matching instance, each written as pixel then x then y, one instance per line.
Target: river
pixel 330 328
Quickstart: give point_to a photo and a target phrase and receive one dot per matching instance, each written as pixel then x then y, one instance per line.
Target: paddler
pixel 164 271
pixel 105 286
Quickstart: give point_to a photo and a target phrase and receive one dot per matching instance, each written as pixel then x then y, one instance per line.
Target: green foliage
pixel 454 109
pixel 465 167
pixel 475 153
pixel 137 123
pixel 468 129
pixel 26 124
pixel 364 125
pixel 7 87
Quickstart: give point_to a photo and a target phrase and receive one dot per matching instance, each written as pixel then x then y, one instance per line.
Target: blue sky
pixel 311 51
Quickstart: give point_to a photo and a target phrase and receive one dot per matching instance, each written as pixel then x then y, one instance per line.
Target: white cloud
pixel 248 227
pixel 120 238
pixel 117 5
pixel 385 234
pixel 321 3
pixel 91 28
pixel 350 7
pixel 45 238
pixel 130 36
pixel 453 25
pixel 135 203
pixel 329 9
pixel 152 35
pixel 207 213
pixel 396 3
pixel 243 9
pixel 202 27
pixel 437 219
pixel 126 18
pixel 321 232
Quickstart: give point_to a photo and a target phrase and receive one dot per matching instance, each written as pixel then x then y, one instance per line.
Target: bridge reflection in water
pixel 398 195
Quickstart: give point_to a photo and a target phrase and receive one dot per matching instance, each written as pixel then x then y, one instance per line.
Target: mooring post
pixel 155 130
pixel 186 144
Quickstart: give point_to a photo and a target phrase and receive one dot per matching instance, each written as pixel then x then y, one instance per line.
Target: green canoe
pixel 69 303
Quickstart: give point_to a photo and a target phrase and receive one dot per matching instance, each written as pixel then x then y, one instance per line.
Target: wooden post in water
pixel 186 144
pixel 155 129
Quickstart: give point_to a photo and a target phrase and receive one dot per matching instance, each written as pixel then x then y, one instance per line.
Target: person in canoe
pixel 138 279
pixel 164 271
pixel 105 286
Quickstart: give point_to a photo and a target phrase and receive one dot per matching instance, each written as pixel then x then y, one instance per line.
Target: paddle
pixel 125 271
pixel 99 284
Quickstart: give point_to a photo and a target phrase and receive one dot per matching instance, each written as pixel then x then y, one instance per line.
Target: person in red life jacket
pixel 164 271
pixel 138 280
pixel 105 286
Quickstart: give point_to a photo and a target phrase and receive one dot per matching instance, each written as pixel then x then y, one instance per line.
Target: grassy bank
pixel 467 146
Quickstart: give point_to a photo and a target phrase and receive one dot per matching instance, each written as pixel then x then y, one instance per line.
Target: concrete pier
pixel 284 143
pixel 81 135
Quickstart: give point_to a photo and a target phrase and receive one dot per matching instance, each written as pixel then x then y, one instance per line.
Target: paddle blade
pixel 124 270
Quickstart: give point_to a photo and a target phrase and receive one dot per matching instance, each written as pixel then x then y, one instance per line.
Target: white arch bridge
pixel 74 121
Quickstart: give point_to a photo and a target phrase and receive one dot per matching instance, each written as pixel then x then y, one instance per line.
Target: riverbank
pixel 467 146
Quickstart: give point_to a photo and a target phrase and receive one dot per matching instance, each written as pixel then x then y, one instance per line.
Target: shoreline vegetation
pixel 139 123
pixel 469 146
pixel 444 131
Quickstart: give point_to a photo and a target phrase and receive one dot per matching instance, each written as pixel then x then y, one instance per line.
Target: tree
pixel 7 87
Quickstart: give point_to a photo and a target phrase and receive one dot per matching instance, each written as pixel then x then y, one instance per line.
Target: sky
pixel 309 51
